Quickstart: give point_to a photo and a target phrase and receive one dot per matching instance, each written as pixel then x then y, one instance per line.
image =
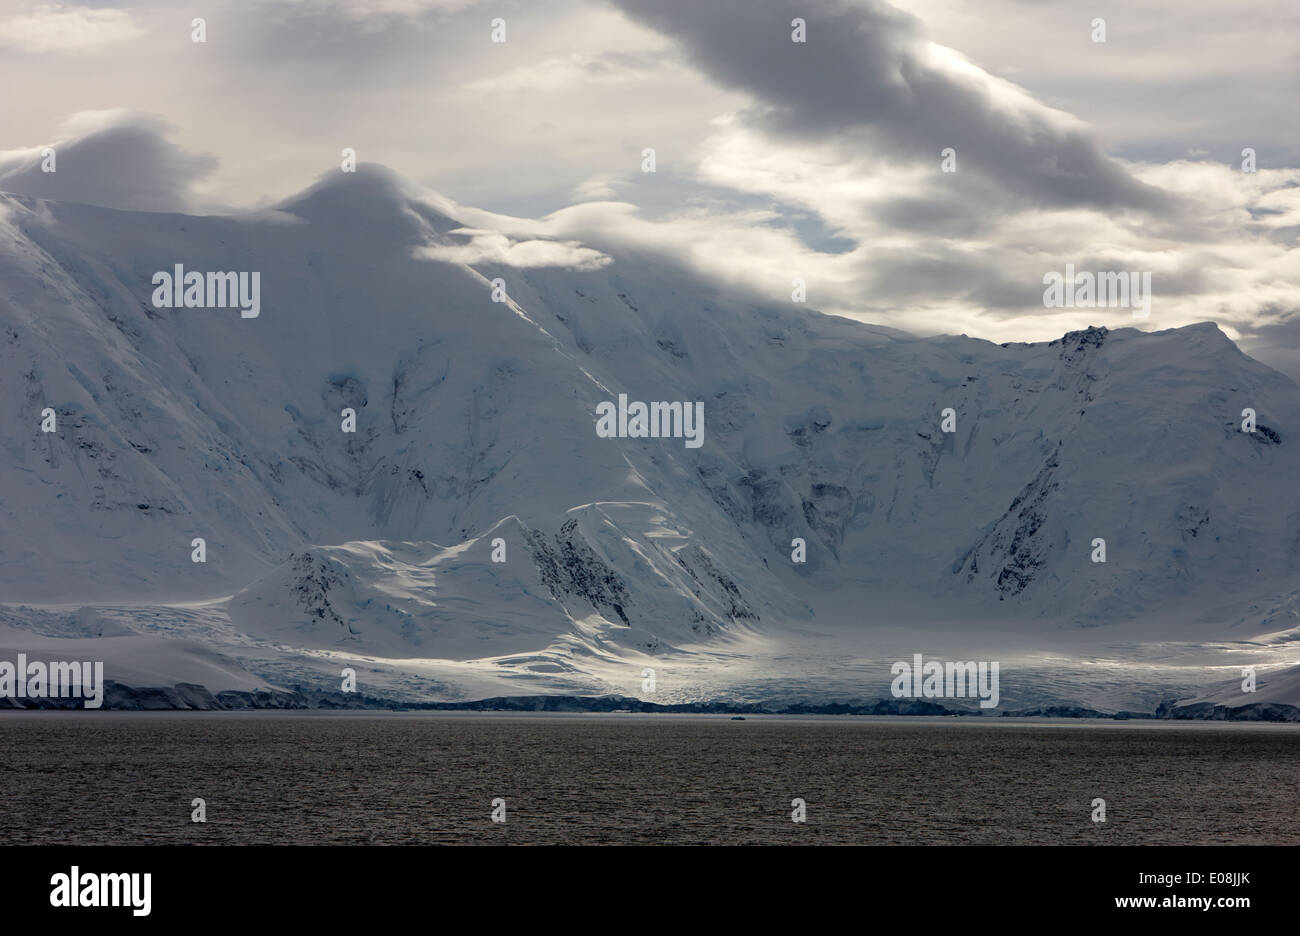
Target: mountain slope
pixel 476 420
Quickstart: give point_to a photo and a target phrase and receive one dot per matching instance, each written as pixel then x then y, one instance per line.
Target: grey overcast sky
pixel 775 159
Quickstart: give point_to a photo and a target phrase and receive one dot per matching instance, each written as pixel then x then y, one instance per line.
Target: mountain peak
pixel 373 193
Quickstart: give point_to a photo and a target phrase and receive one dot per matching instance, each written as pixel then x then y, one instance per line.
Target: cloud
pixel 1135 86
pixel 868 75
pixel 1274 337
pixel 372 13
pixel 568 71
pixel 114 159
pixel 55 28
pixel 495 247
pixel 600 187
pixel 939 272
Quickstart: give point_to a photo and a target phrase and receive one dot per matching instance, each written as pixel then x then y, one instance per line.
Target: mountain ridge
pixel 184 423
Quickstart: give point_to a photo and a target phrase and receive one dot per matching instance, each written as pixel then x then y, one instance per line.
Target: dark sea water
pixel 105 778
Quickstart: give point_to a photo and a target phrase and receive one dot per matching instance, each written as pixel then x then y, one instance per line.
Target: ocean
pixel 366 778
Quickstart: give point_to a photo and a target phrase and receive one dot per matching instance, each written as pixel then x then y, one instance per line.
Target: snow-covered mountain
pixel 476 440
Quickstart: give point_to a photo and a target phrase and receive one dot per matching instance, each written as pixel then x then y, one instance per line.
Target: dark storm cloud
pixel 865 67
pixel 1274 339
pixel 1276 327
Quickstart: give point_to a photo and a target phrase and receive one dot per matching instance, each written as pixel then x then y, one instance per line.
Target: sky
pixel 820 160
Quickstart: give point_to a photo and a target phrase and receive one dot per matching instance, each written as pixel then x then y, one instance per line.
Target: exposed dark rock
pixel 572 569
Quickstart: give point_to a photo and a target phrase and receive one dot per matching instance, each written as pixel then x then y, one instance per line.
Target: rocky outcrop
pixel 1209 711
pixel 571 569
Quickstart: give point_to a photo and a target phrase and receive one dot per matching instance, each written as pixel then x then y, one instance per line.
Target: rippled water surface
pixel 91 778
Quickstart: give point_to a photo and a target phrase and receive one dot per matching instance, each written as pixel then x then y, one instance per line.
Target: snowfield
pixel 476 441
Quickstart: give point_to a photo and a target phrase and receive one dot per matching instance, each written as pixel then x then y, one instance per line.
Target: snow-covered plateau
pixel 476 441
